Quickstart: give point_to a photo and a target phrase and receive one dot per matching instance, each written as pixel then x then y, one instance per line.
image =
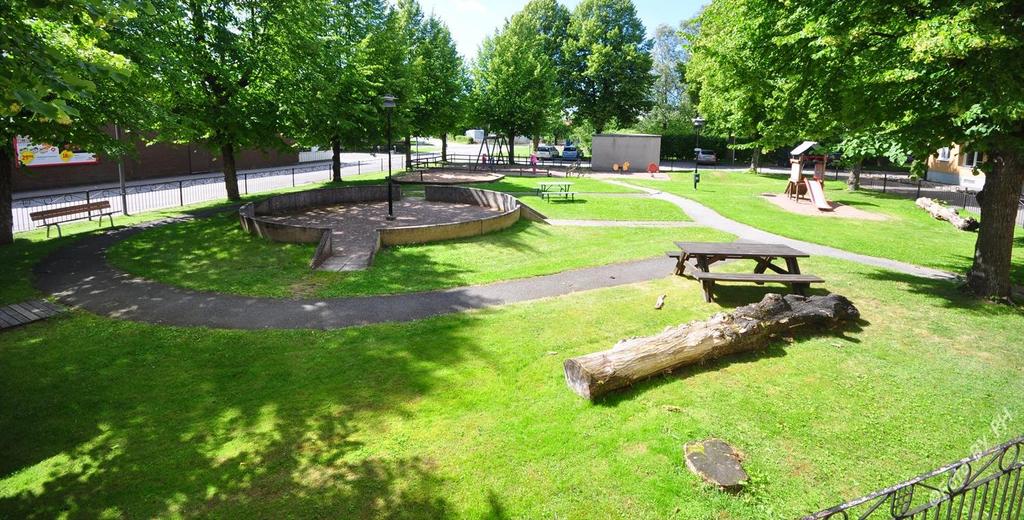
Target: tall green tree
pixel 514 87
pixel 608 63
pixel 61 81
pixel 668 56
pixel 329 100
pixel 444 83
pixel 913 75
pixel 412 31
pixel 219 61
pixel 550 20
pixel 394 71
pixel 728 72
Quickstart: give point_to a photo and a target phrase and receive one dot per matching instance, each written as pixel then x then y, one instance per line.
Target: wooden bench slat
pixel 13 315
pixel 7 321
pixel 69 210
pixel 24 311
pixel 754 277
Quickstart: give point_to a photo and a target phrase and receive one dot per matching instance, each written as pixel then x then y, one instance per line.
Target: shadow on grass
pixel 143 421
pixel 215 254
pixel 774 349
pixel 944 293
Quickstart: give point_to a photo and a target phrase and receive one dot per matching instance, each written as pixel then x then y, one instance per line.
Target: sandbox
pixel 349 223
pixel 805 207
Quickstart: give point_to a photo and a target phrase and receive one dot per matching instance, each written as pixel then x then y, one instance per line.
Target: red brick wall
pixel 158 160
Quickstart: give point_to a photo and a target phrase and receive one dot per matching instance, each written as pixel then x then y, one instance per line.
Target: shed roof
pixel 627 135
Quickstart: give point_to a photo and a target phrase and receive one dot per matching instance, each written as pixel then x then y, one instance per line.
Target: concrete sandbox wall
pixel 508 205
pixel 510 211
pixel 250 214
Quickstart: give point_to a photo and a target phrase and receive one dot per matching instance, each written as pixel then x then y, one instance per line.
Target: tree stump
pixel 750 327
pixel 941 211
pixel 716 462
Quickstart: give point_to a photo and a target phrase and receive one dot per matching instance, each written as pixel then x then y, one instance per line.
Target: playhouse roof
pixel 804 148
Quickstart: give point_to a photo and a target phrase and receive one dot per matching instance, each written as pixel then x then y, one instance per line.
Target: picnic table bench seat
pixel 568 195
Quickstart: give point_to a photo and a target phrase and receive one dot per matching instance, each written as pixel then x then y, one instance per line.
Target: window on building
pixel 944 154
pixel 970 158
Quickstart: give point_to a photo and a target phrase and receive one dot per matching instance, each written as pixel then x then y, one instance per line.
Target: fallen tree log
pixel 941 211
pixel 750 327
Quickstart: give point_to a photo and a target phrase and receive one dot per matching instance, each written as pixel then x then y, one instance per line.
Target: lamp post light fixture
pixel 698 123
pixel 389 105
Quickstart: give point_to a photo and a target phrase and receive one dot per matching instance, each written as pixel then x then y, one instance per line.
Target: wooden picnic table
pixel 696 258
pixel 560 186
pixel 561 189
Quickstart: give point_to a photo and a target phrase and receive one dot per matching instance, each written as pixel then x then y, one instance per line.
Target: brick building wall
pixel 150 162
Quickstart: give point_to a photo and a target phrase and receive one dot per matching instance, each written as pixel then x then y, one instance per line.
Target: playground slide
pixel 817 193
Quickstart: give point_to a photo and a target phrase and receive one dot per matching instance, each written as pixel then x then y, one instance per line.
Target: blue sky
pixel 471 20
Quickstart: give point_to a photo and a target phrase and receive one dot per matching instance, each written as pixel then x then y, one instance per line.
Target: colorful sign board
pixel 35 155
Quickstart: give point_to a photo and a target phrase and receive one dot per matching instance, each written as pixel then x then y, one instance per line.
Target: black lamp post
pixel 698 123
pixel 389 105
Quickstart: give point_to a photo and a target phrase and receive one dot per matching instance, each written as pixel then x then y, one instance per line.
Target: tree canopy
pixel 514 87
pixel 893 75
pixel 60 74
pixel 607 63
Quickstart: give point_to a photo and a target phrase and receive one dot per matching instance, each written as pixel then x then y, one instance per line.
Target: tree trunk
pixel 6 193
pixel 336 159
pixel 408 151
pixel 989 276
pixel 227 152
pixel 732 149
pixel 511 148
pixel 755 159
pixel 942 212
pixel 751 327
pixel 444 147
pixel 853 183
pixel 536 143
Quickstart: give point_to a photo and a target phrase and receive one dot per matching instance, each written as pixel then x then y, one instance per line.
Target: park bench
pixel 694 259
pixel 57 216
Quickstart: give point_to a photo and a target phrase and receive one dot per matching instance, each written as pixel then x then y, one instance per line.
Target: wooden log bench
pixel 57 216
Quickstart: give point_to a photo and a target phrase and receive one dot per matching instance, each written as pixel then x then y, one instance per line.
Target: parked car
pixel 547 152
pixel 706 156
pixel 571 153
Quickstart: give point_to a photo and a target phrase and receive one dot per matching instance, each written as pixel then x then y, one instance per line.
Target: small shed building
pixel 639 150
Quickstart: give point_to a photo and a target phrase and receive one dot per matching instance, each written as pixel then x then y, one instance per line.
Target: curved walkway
pixel 705 216
pixel 80 275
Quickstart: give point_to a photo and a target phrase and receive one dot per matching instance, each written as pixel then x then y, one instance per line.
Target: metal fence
pixel 903 185
pixel 987 485
pixel 189 190
pixel 521 164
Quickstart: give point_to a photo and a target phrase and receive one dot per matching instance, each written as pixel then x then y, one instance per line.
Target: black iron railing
pixel 521 164
pixel 987 485
pixel 189 190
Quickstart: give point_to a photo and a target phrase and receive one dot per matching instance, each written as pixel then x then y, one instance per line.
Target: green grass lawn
pixel 468 415
pixel 32 246
pixel 605 207
pixel 910 234
pixel 511 184
pixel 215 254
